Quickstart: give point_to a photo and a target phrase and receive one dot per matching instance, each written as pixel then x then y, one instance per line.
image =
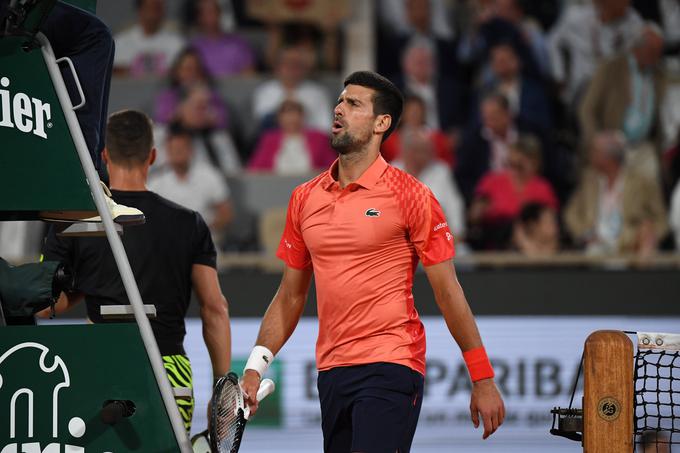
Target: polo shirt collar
pixel 368 178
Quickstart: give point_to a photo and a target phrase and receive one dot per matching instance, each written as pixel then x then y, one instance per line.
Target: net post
pixel 608 393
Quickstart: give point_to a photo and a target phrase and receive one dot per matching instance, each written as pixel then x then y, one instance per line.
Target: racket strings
pixel 229 420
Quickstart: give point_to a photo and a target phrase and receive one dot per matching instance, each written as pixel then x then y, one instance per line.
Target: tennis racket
pixel 229 413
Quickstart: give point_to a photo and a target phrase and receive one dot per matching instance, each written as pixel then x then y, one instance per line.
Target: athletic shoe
pixel 121 214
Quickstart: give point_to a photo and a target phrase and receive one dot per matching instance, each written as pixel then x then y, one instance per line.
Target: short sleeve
pixel 292 249
pixel 429 232
pixel 202 245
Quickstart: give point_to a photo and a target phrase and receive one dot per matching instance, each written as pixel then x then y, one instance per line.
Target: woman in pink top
pixel 291 148
pixel 500 196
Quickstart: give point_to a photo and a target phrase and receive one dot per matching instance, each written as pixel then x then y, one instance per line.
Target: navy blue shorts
pixel 370 408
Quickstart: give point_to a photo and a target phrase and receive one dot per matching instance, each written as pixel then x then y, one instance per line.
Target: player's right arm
pixel 279 322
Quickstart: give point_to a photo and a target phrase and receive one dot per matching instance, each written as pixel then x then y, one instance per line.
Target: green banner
pixel 54 381
pixel 39 165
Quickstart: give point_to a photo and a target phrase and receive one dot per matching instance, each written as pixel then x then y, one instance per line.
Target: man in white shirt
pixel 149 47
pixel 193 184
pixel 590 33
pixel 291 82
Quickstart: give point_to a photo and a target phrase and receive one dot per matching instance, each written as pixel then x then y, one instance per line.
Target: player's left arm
pixel 215 317
pixel 485 400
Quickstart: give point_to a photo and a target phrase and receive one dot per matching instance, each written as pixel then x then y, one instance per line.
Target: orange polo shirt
pixel 363 243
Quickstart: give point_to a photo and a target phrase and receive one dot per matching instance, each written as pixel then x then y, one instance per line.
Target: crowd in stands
pixel 540 126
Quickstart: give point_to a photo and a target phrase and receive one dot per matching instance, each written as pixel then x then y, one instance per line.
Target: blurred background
pixel 549 131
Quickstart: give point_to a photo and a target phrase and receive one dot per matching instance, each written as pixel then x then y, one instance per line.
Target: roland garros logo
pixel 19 111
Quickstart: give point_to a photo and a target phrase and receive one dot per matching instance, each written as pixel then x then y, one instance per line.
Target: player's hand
pixel 250 385
pixel 486 402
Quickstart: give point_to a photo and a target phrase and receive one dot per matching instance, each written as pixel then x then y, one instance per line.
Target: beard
pixel 345 143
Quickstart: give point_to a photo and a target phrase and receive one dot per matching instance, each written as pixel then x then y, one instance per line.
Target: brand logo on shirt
pixel 440 226
pixel 448 236
pixel 372 212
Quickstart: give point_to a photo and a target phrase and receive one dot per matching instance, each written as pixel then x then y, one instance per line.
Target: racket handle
pixel 267 387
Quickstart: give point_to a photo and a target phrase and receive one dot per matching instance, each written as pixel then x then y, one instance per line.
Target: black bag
pixel 29 288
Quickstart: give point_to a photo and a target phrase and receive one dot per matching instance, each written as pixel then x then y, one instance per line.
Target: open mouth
pixel 337 127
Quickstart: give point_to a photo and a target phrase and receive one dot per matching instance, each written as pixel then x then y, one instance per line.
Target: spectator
pixel 188 71
pixel 409 23
pixel 440 93
pixel 625 94
pixel 496 22
pixel 513 12
pixel 485 146
pixel 147 48
pixel 500 195
pixel 527 98
pixel 418 159
pixel 291 82
pixel 319 41
pixel 224 54
pixel 614 209
pixel 536 231
pixel 292 149
pixel 584 36
pixel 193 184
pixel 413 117
pixel 212 144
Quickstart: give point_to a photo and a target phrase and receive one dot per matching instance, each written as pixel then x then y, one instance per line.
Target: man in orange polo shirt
pixel 360 229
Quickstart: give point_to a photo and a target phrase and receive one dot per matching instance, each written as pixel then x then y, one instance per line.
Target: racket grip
pixel 267 387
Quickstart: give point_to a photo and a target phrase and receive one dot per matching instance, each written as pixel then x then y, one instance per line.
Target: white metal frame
pixel 116 246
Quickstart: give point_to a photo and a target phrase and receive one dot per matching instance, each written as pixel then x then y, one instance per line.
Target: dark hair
pixel 177 129
pixel 186 52
pixel 129 137
pixel 531 212
pixel 498 98
pixel 387 100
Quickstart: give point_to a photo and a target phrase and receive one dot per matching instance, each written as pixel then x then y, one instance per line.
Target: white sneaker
pixel 121 214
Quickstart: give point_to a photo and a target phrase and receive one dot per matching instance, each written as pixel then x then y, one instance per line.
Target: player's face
pixel 354 119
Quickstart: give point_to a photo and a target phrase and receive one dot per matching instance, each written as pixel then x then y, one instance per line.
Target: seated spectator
pixel 319 42
pixel 213 144
pixel 418 159
pixel 485 146
pixel 614 209
pixel 413 117
pixel 224 54
pixel 441 94
pixel 526 96
pixel 292 149
pixel 536 231
pixel 500 195
pixel 405 23
pixel 513 11
pixel 193 184
pixel 147 48
pixel 291 82
pixel 188 71
pixel 675 215
pixel 586 35
pixel 625 94
pixel 494 22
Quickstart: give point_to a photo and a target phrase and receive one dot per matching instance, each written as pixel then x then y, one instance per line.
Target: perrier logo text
pixel 22 112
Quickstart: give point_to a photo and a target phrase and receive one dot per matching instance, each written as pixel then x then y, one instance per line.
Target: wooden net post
pixel 608 393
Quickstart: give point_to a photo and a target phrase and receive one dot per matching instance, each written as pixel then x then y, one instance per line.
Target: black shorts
pixel 370 408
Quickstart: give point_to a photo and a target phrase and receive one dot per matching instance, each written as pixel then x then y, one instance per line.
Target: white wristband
pixel 259 360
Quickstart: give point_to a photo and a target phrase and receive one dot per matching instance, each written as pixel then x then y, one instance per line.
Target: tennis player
pixel 360 229
pixel 169 255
